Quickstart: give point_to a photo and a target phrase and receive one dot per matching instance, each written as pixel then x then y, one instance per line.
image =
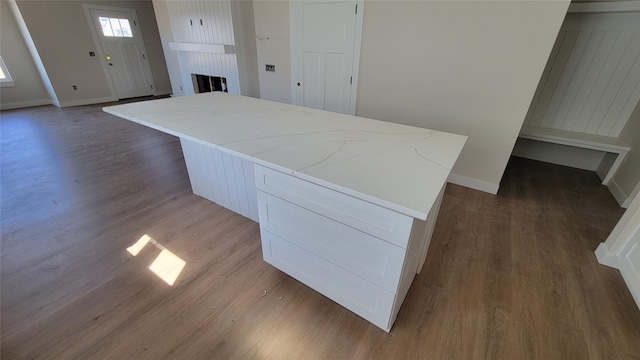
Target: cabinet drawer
pixel 383 223
pixel 365 299
pixel 372 259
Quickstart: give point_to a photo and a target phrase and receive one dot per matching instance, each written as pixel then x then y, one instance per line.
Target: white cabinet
pixel 203 22
pixel 358 254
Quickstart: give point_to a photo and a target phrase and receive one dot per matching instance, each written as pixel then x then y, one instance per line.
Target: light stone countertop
pixel 395 166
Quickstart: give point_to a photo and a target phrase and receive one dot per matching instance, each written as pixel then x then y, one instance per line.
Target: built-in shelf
pixel 203 48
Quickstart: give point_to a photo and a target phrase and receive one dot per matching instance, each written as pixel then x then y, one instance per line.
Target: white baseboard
pixel 605 257
pixel 164 92
pixel 88 101
pixel 25 104
pixel 474 183
pixel 617 193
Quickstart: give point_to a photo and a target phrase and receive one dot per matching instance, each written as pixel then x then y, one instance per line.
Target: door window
pixel 115 27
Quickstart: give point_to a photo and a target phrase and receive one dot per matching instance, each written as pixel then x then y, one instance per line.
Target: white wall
pixel 272 22
pixel 29 89
pixel 627 178
pixel 61 33
pixel 468 67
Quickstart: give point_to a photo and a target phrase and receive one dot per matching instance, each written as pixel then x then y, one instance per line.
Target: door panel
pixel 322 54
pixel 334 88
pixel 121 43
pixel 312 80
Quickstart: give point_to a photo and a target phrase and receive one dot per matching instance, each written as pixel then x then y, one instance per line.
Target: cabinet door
pixel 202 22
pixel 181 20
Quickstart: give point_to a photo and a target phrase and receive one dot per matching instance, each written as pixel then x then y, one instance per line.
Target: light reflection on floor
pixel 167 265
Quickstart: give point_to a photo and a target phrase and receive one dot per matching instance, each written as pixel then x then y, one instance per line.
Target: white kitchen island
pixel 346 205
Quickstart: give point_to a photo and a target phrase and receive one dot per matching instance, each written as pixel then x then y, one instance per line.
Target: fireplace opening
pixel 205 83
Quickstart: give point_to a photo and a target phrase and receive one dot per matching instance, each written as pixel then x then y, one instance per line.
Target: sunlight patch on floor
pixel 135 248
pixel 167 265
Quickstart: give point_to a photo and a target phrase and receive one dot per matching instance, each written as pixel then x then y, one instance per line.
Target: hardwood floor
pixel 511 276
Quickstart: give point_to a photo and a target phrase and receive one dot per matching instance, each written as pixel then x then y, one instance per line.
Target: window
pixel 114 27
pixel 5 77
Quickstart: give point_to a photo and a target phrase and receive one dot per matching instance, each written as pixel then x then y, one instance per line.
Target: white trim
pixel 606 6
pixel 26 104
pixel 356 57
pixel 88 101
pixel 617 192
pixel 605 257
pixel 204 48
pixel 96 40
pixel 473 183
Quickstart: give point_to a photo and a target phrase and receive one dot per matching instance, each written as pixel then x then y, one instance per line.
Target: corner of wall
pixel 474 183
pixel 617 193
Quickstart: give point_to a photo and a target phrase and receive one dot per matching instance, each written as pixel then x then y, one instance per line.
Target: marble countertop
pixel 395 166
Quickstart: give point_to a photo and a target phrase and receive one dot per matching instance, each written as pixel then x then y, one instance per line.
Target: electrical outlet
pixel 92 53
pixel 271 68
pixel 75 87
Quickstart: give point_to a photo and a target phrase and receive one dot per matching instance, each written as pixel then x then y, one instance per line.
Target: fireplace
pixel 206 83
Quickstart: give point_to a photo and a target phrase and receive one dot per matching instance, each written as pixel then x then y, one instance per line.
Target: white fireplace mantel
pixel 202 48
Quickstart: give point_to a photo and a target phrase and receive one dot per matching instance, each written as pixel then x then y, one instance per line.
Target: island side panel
pixel 221 177
pixel 419 242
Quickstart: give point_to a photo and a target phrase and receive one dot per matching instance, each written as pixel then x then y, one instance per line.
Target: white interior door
pixel 325 47
pixel 121 42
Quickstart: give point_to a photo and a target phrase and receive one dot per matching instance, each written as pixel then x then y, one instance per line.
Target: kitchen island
pixel 346 205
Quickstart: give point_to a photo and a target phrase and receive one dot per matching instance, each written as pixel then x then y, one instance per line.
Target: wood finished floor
pixel 511 276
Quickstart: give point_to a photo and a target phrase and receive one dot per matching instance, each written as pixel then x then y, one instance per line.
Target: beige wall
pixel 468 67
pixel 272 21
pixel 628 175
pixel 29 89
pixel 62 35
pixel 244 27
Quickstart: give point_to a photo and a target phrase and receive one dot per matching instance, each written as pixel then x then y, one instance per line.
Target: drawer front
pixel 367 300
pixel 383 223
pixel 373 259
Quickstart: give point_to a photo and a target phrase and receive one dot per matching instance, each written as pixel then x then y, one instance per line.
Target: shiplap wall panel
pixel 222 178
pixel 590 83
pixel 613 89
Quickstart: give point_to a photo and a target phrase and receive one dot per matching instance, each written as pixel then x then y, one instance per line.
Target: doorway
pixel 122 50
pixel 325 53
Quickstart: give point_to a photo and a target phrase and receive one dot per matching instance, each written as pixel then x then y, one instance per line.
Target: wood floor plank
pixel 510 276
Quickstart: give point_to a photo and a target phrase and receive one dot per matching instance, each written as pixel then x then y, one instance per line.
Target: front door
pixel 121 42
pixel 323 49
